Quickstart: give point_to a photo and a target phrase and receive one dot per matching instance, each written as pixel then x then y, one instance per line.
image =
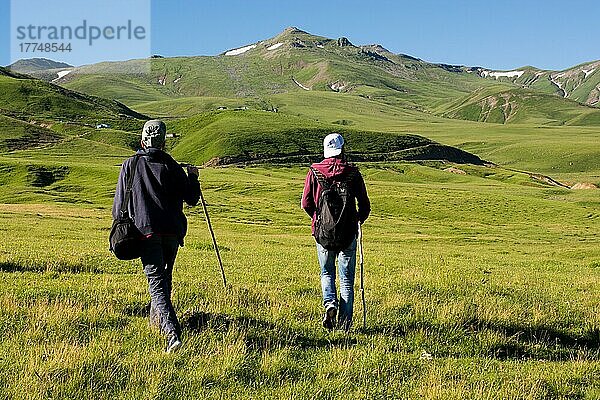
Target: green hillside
pixel 242 136
pixel 296 62
pixel 24 98
pixel 521 106
pixel 18 135
pixel 580 83
pixel 293 61
pixel 45 128
pixel 540 145
pixel 63 123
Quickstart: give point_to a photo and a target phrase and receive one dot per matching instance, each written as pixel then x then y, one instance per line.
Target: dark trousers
pixel 158 257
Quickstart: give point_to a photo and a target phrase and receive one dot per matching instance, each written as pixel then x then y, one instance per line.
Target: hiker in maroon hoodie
pixel 331 191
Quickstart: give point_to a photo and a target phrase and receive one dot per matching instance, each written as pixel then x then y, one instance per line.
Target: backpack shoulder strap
pixel 320 177
pixel 124 211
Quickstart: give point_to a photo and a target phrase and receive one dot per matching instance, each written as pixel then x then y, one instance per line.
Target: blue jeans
pixel 158 257
pixel 347 266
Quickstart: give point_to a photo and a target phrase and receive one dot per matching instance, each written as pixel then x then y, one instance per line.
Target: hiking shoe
pixel 329 318
pixel 173 343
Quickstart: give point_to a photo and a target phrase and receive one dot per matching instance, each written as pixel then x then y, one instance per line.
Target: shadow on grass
pixel 137 310
pixel 540 341
pixel 260 334
pixel 519 341
pixel 61 267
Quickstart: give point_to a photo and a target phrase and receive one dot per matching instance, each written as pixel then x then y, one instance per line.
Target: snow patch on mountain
pixel 62 74
pixel 501 74
pixel 299 84
pixel 275 46
pixel 558 84
pixel 588 72
pixel 241 50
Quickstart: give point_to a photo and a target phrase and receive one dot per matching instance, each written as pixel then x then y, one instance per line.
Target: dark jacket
pixel 160 187
pixel 335 169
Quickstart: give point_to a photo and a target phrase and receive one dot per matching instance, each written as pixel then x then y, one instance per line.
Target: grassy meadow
pixel 478 286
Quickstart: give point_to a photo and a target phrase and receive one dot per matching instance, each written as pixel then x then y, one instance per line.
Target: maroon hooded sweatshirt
pixel 335 169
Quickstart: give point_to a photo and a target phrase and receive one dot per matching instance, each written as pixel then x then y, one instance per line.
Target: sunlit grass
pixel 476 287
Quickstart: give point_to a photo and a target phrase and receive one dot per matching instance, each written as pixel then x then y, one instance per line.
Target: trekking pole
pixel 210 229
pixel 214 240
pixel 362 278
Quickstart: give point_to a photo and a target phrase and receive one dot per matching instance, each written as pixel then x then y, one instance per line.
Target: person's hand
pixel 191 170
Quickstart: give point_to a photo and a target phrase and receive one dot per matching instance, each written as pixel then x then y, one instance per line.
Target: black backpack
pixel 336 220
pixel 125 239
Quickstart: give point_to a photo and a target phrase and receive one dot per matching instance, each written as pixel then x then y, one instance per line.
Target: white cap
pixel 332 145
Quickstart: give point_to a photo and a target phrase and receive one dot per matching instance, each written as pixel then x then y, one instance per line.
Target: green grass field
pixel 493 275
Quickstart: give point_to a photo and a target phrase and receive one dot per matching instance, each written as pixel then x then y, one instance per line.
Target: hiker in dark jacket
pixel 159 189
pixel 335 169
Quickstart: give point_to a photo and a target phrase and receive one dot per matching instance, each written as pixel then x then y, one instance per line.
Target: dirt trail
pixel 538 177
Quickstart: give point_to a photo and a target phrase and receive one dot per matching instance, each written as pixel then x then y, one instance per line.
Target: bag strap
pixel 320 178
pixel 323 180
pixel 125 202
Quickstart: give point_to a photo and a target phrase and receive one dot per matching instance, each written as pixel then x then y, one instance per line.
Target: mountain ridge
pixel 295 60
pixel 22 65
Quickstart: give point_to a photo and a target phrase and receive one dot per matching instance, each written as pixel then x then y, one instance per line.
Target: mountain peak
pixel 292 30
pixel 36 64
pixel 301 37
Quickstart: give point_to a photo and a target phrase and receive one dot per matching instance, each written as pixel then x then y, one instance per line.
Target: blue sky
pixel 494 34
